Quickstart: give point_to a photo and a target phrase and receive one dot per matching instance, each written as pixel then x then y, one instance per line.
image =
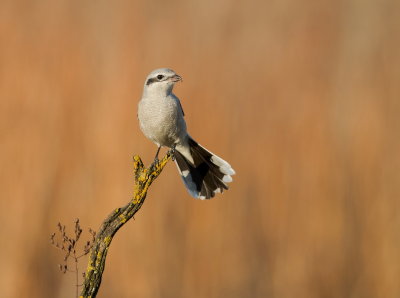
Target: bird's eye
pixel 160 77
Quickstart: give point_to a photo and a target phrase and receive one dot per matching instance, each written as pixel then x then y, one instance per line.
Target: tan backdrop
pixel 301 97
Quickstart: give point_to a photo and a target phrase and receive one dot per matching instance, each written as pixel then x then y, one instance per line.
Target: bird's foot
pixel 173 153
pixel 154 164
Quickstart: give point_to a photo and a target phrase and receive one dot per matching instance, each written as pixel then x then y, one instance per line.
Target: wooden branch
pixel 97 258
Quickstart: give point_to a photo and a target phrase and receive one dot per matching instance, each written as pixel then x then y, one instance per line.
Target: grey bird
pixel 161 119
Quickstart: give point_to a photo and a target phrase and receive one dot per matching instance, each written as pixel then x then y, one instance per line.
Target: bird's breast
pixel 160 120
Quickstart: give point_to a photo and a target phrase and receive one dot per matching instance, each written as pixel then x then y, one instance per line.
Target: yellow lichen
pixel 122 218
pixel 107 240
pixel 89 268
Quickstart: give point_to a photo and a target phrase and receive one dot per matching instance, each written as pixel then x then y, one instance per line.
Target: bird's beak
pixel 175 78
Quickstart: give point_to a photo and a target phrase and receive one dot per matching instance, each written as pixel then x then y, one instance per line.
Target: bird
pixel 161 119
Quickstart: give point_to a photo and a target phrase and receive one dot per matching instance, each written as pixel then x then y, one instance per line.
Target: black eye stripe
pixel 150 81
pixel 158 78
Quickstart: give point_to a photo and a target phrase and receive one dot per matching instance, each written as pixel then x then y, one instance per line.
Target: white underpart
pixel 185 151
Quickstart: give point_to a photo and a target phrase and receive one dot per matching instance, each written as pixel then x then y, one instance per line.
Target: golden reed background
pixel 301 97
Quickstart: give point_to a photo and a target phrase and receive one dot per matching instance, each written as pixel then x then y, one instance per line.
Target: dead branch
pixel 98 253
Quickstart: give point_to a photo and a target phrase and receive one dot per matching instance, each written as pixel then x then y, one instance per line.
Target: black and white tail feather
pixel 207 175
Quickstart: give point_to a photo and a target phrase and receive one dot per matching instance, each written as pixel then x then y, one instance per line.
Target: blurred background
pixel 302 98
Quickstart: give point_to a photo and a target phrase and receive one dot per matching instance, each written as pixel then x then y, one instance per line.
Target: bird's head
pixel 161 81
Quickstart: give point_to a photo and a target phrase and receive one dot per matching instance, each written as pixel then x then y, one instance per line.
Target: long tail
pixel 207 175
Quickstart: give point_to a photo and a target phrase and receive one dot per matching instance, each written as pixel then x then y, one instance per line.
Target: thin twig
pixel 68 245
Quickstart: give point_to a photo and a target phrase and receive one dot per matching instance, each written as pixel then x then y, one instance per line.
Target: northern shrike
pixel 161 120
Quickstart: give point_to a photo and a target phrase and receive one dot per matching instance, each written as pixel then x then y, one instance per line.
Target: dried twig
pixel 68 245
